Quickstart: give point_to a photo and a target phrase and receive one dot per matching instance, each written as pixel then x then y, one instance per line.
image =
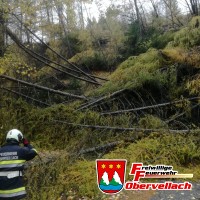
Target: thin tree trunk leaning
pixel 155 8
pixel 149 107
pixel 31 53
pixel 34 55
pixel 27 97
pixel 60 65
pixel 38 57
pixel 60 56
pixel 43 88
pixel 87 105
pixel 125 129
pixel 189 7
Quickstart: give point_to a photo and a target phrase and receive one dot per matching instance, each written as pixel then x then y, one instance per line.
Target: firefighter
pixel 12 159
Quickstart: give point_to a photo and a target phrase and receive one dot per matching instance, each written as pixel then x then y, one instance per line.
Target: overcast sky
pixel 94 9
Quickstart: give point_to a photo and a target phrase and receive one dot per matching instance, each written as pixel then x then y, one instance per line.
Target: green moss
pixel 194 21
pixel 160 41
pixel 135 71
pixel 189 36
pixel 193 86
pixel 92 60
pixel 152 122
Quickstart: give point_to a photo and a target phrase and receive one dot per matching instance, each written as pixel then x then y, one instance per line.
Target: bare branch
pixel 188 7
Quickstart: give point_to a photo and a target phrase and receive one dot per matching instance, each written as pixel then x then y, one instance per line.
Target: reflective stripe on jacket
pixel 12 193
pixel 12 159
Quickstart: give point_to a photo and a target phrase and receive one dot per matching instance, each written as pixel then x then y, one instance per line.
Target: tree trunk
pixel 139 20
pixel 155 8
pixel 137 11
pixel 26 97
pixel 193 7
pixel 150 107
pixel 43 88
pixel 120 129
pixel 168 5
pixel 2 33
pixel 82 25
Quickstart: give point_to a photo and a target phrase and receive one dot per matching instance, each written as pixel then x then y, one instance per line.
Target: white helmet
pixel 14 134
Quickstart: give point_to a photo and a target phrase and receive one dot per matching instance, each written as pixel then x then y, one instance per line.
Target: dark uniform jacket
pixel 12 159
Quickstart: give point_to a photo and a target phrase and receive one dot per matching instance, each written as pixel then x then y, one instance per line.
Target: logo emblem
pixel 110 175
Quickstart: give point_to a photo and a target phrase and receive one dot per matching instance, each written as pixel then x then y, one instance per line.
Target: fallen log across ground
pixel 43 88
pixel 96 101
pixel 149 107
pixel 136 129
pixel 25 96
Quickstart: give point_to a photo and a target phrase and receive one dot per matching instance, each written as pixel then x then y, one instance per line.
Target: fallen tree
pixel 149 107
pixel 43 88
pixel 136 129
pixel 42 59
pixel 92 77
pixel 97 101
pixel 25 96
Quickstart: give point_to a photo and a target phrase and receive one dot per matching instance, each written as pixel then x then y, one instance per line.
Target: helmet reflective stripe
pixel 14 134
pixel 12 193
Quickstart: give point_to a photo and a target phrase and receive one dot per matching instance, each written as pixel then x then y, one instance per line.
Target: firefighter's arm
pixel 28 151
